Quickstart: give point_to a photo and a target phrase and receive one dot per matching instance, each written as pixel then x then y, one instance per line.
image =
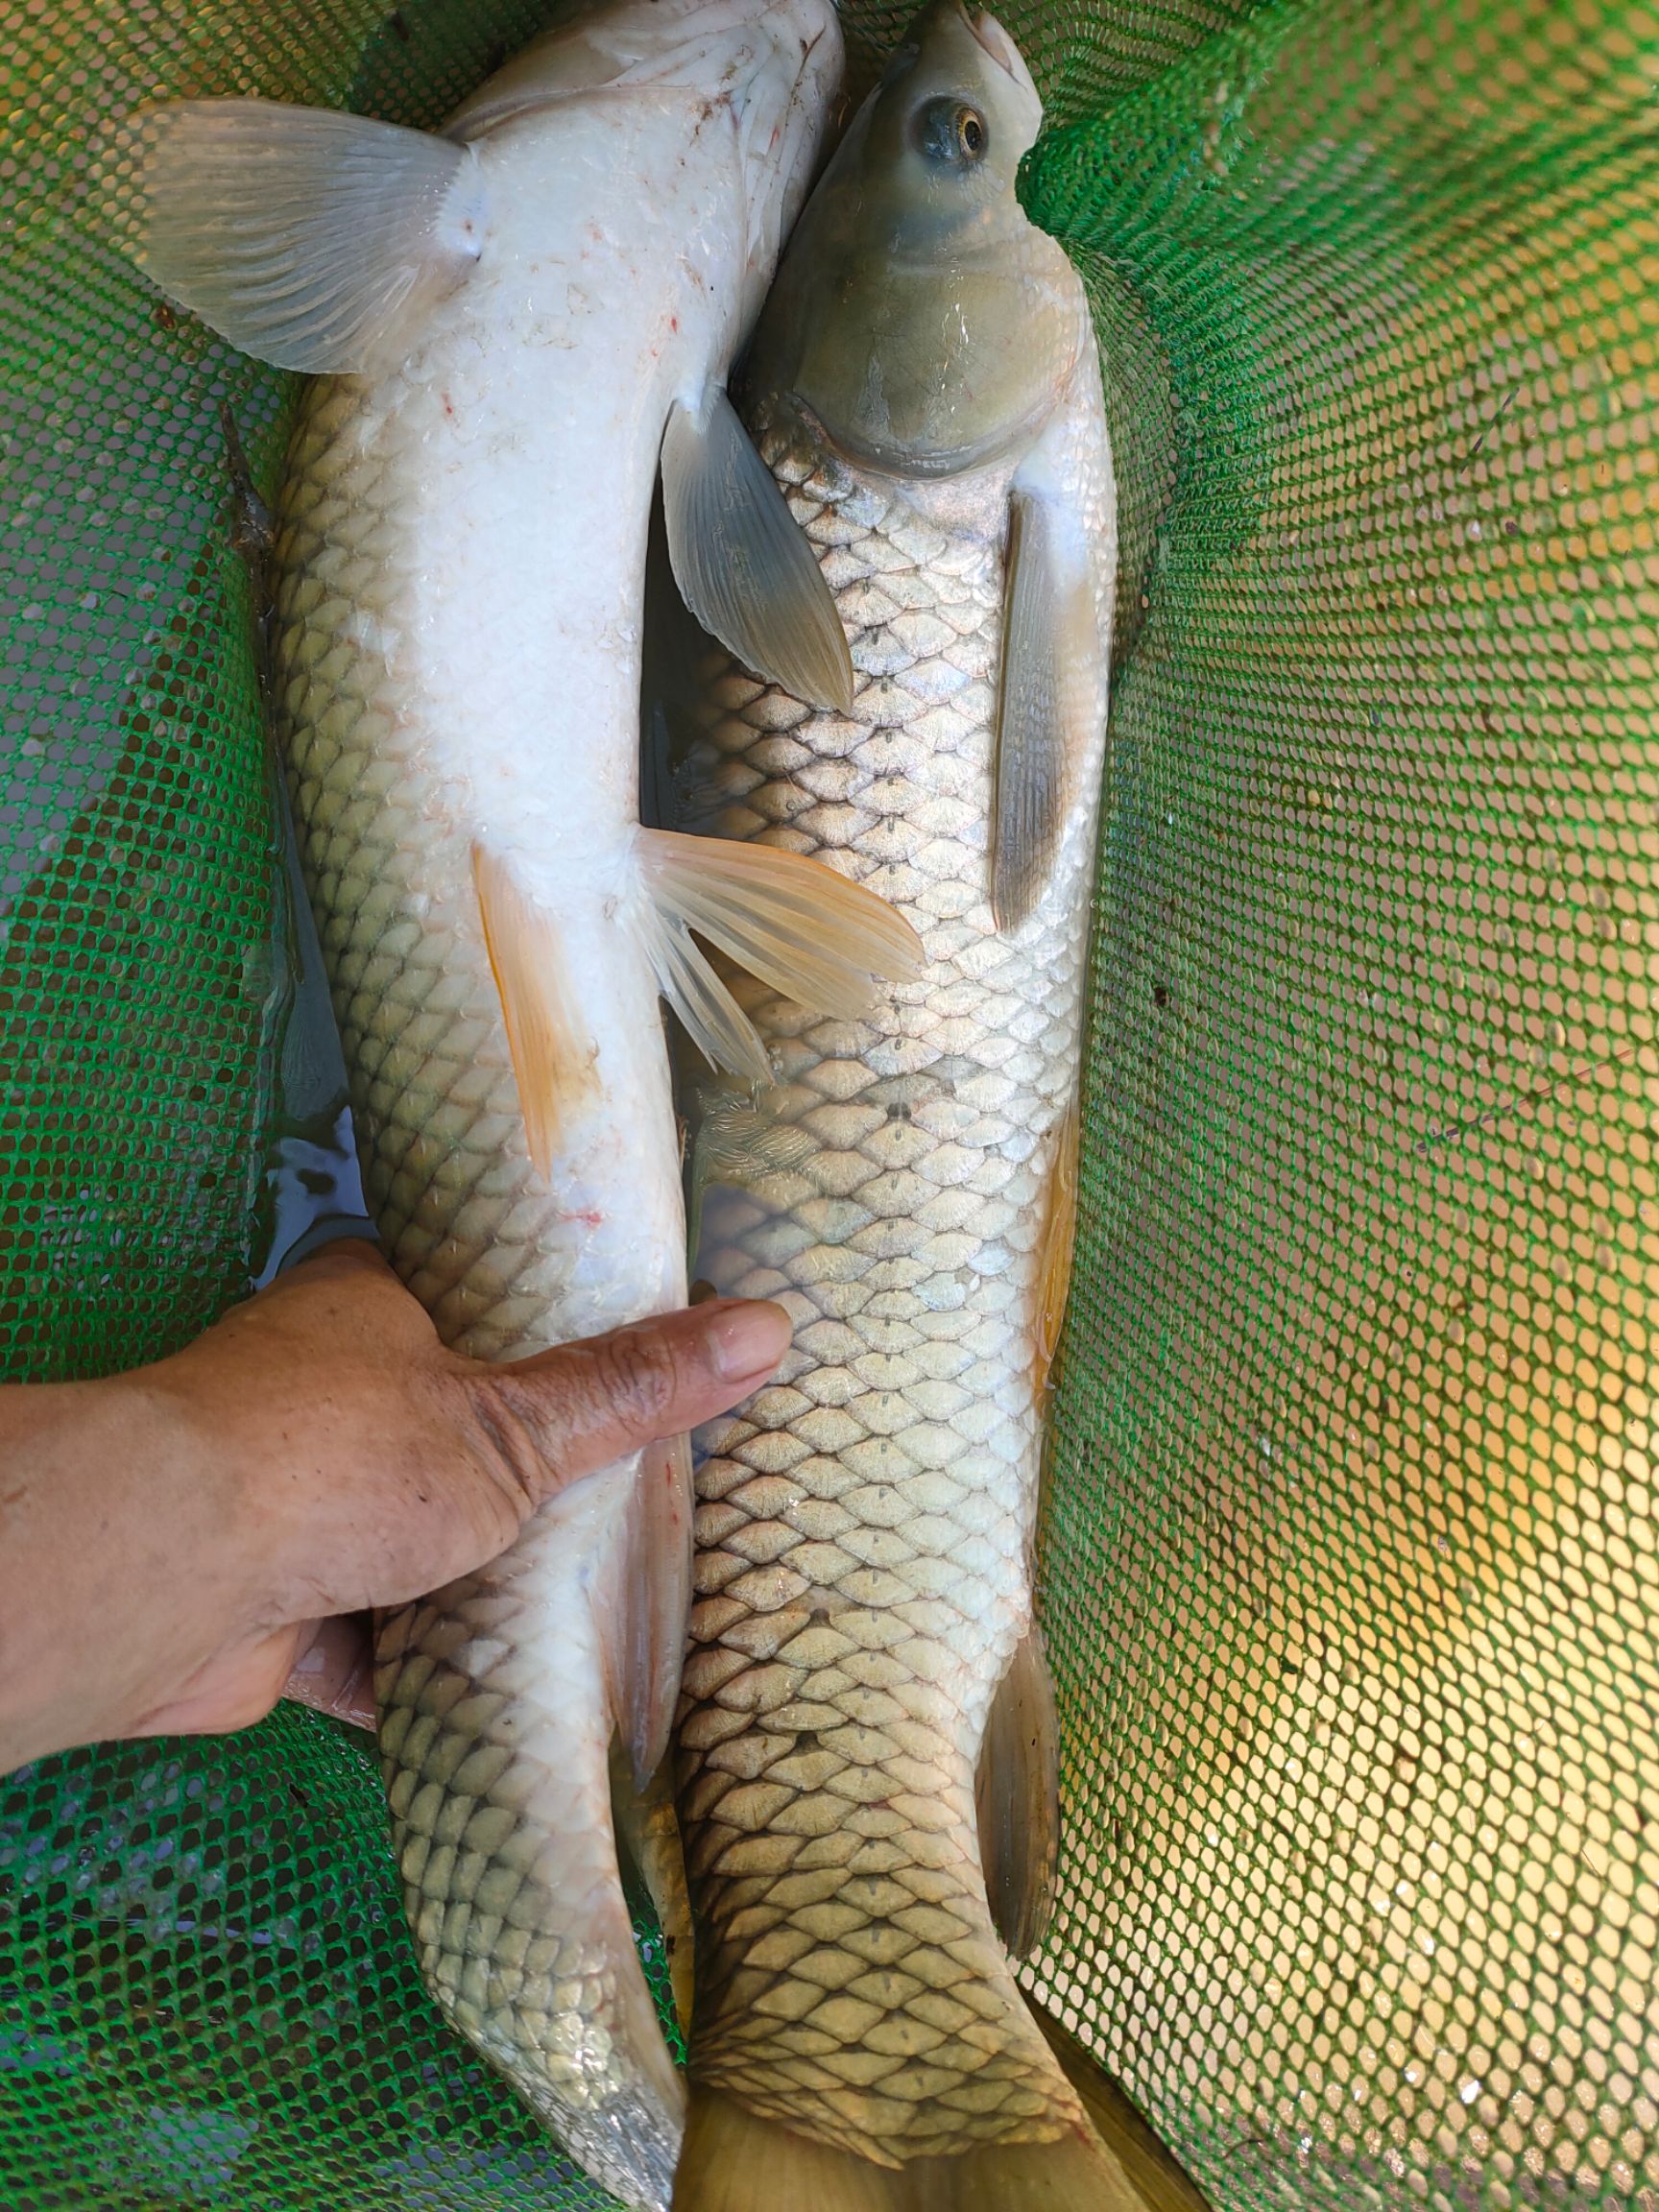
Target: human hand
pixel 181 1543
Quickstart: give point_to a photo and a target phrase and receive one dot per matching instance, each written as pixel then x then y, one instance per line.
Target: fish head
pixel 920 316
pixel 953 116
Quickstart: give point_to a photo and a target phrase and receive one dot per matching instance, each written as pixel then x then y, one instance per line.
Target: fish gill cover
pixel 1349 1566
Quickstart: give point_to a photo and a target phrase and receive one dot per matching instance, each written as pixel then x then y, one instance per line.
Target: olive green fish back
pixel 1349 1570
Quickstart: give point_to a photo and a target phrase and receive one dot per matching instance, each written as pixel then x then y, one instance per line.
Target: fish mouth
pixel 995 41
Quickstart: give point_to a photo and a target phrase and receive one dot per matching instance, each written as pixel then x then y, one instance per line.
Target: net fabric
pixel 1349 1559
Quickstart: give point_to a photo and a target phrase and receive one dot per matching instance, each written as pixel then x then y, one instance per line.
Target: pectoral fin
pixel 1051 690
pixel 742 564
pixel 1017 1799
pixel 553 1058
pixel 310 239
pixel 796 924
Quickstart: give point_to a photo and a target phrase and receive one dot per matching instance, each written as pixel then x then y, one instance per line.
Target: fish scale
pixel 864 1525
pixel 496 1826
pixel 475 1234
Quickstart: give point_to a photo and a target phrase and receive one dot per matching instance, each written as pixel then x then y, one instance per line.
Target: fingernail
pixel 748 1338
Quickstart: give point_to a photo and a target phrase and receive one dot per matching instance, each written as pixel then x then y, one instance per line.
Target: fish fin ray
pixel 737 2160
pixel 711 1017
pixel 1017 1797
pixel 743 563
pixel 809 933
pixel 552 1058
pixel 1049 690
pixel 309 239
pixel 1059 1243
pixel 642 1625
pixel 648 1830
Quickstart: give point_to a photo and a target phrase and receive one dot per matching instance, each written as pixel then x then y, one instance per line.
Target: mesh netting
pixel 1349 1566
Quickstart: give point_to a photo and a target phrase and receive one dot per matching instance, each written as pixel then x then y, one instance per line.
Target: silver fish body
pixel 865 1526
pixel 516 324
pixel 458 671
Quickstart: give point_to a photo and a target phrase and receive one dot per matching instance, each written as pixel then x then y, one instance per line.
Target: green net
pixel 1349 1564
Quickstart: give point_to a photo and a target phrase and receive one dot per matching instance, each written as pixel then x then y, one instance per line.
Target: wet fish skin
pixel 864 1525
pixel 411 738
pixel 507 322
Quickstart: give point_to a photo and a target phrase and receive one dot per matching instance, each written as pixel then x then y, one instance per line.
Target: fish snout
pixel 1001 49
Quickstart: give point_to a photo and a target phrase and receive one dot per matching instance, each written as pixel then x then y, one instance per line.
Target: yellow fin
pixel 1164 2183
pixel 553 1059
pixel 735 2162
pixel 791 921
pixel 1059 1242
pixel 646 1827
pixel 642 1628
pixel 1017 1797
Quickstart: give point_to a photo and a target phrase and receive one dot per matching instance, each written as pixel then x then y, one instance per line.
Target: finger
pixel 503 1439
pixel 333 1668
pixel 569 1411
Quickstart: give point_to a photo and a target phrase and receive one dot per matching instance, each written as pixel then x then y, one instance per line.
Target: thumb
pixel 583 1404
pixel 509 1436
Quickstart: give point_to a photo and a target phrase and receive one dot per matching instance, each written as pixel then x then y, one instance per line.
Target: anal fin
pixel 1017 1797
pixel 795 922
pixel 553 1058
pixel 642 1625
pixel 648 1831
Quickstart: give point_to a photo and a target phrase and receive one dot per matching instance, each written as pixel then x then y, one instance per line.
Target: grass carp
pixel 865 1740
pixel 516 325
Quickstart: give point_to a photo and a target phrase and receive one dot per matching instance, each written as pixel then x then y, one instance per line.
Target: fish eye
pixel 951 132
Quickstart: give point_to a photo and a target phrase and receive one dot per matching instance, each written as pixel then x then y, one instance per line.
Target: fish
pixel 865 1747
pixel 517 328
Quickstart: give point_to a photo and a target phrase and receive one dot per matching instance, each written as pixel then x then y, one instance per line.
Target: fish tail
pixel 739 2160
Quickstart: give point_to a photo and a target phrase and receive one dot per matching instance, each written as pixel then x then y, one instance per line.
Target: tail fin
pixel 734 2160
